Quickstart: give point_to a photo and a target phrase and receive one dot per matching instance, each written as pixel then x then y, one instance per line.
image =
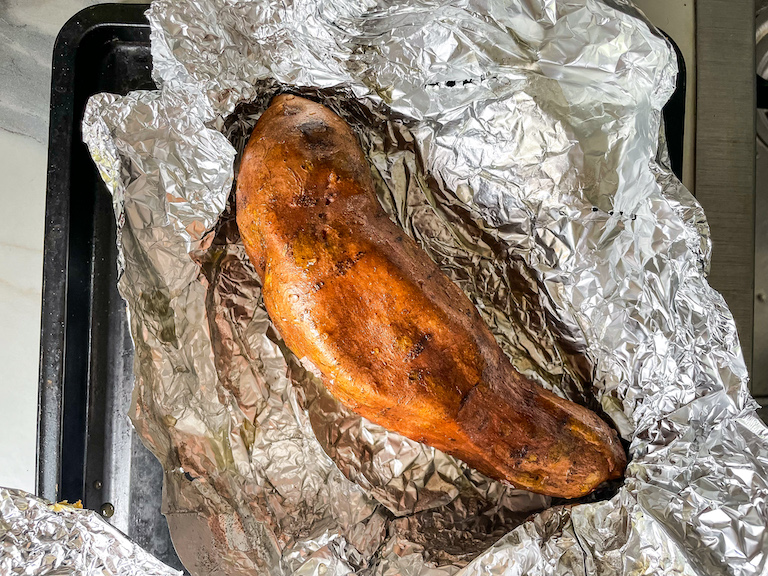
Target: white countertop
pixel 28 29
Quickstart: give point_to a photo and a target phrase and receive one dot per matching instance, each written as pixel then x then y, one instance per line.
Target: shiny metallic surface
pixel 725 161
pixel 37 537
pixel 759 384
pixel 518 143
pixel 107 510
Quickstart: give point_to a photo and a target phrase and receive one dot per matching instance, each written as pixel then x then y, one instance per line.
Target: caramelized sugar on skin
pixel 395 339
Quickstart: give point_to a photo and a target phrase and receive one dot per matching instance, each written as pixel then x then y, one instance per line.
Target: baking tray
pixel 86 447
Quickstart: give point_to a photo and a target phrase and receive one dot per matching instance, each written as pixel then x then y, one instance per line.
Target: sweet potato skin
pixel 394 338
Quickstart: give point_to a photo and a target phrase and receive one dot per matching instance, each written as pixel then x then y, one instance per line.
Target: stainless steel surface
pixel 763 412
pixel 760 345
pixel 725 150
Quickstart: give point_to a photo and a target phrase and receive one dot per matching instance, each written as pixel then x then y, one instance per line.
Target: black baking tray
pixel 86 448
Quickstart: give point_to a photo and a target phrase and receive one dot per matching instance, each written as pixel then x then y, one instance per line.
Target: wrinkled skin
pixel 394 338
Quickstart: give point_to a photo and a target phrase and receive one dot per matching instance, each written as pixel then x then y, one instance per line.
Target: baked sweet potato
pixel 394 338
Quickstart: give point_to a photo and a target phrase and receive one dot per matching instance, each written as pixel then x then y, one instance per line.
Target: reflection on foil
pixel 518 143
pixel 37 537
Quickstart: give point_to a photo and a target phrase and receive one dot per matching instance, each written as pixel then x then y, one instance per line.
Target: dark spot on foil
pixel 157 304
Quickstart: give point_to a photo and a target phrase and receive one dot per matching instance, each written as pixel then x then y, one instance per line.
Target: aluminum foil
pixel 518 143
pixel 37 537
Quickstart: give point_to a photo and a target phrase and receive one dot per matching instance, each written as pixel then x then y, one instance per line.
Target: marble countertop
pixel 28 29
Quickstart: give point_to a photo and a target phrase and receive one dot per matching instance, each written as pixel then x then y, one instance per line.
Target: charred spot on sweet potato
pixel 343 265
pixel 419 346
pixel 303 200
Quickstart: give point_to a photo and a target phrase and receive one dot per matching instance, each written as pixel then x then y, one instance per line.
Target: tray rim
pixel 61 137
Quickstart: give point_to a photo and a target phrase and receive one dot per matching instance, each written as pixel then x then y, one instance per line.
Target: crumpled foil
pixel 37 537
pixel 518 143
